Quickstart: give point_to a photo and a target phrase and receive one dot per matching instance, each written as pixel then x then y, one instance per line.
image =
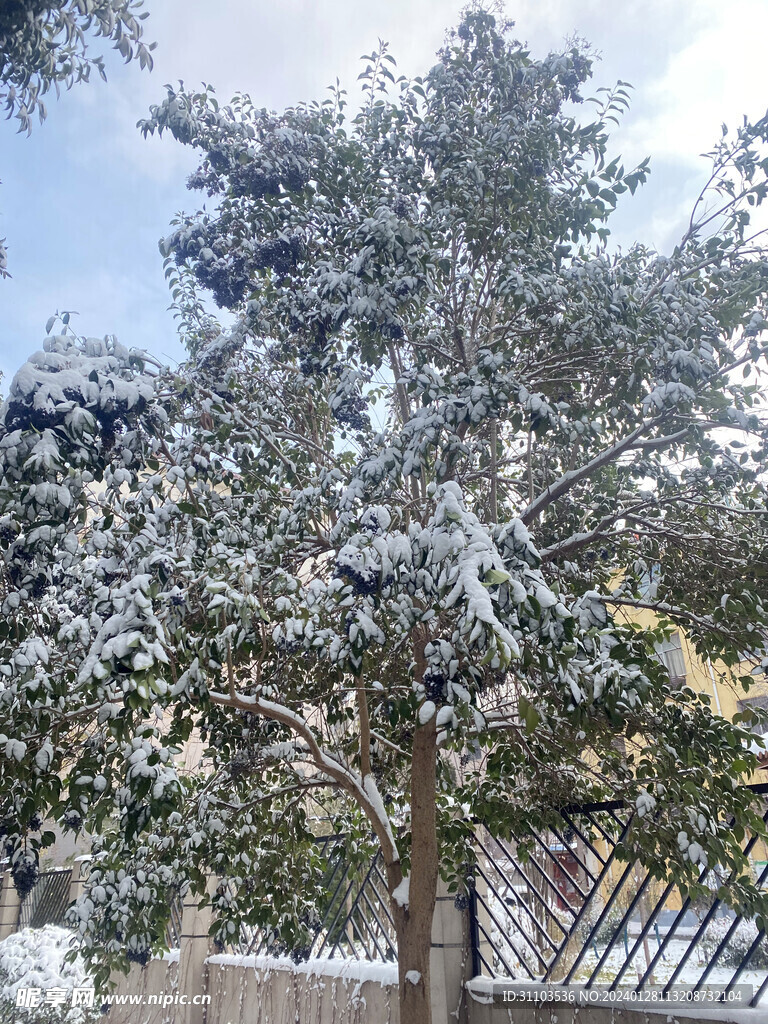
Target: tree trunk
pixel 414 922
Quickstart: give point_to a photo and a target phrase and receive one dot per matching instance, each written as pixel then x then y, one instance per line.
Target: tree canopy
pixel 374 543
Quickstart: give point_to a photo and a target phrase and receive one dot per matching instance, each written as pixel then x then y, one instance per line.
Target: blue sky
pixel 85 198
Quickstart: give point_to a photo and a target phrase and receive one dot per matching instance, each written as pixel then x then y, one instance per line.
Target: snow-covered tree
pixel 375 543
pixel 44 43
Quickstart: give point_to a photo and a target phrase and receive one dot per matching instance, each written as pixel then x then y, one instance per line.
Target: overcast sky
pixel 85 198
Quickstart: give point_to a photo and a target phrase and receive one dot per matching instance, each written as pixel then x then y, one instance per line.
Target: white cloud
pixel 693 66
pixel 717 77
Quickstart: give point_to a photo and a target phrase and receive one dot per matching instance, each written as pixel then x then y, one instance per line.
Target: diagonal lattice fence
pixel 354 920
pixel 47 902
pixel 569 912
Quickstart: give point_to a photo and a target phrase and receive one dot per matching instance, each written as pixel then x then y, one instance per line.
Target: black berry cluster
pixel 390 329
pixel 252 180
pixel 72 821
pixel 401 207
pixel 229 271
pixel 350 413
pixel 25 873
pixel 139 956
pixel 22 414
pixel 364 579
pixel 435 685
pixel 314 359
pixel 280 255
pixel 228 282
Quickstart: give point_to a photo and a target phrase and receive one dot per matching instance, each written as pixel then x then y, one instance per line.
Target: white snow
pixel 402 893
pixel 445 716
pixel 34 958
pixel 372 792
pixel 348 970
pixel 414 977
pixel 427 712
pixel 481 989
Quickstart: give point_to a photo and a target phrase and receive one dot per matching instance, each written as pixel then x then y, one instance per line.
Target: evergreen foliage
pixel 374 545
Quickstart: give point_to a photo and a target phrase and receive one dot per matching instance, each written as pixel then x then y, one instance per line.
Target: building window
pixel 649 581
pixel 670 653
pixel 758 728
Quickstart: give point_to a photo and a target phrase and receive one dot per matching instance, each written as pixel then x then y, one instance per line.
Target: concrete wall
pixel 144 990
pixel 487 1014
pixel 279 992
pixel 9 906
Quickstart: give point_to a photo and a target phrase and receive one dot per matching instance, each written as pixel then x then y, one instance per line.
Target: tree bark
pixel 413 923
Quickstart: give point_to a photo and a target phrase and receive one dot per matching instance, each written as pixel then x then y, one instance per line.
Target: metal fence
pixel 47 902
pixel 173 931
pixel 354 919
pixel 557 906
pixel 568 912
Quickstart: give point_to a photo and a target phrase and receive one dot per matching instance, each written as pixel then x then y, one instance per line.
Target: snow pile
pixel 347 970
pixel 34 958
pixel 402 893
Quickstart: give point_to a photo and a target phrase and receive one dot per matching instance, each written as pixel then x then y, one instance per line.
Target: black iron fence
pixel 568 912
pixel 353 920
pixel 47 902
pixel 557 907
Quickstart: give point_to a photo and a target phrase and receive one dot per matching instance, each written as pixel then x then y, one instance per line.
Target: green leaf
pixel 496 576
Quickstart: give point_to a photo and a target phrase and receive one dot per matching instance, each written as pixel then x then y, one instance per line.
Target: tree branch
pixel 346 779
pixel 570 479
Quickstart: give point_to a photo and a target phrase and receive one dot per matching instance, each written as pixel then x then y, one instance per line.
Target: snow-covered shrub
pixel 35 959
pixel 738 945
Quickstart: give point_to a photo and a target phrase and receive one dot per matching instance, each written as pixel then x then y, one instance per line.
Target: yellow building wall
pixel 720 684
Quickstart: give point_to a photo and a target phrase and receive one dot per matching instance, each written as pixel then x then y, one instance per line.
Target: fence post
pixel 450 960
pixel 194 947
pixel 78 876
pixel 474 934
pixel 9 906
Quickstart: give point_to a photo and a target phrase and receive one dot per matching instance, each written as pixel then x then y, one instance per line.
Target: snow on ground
pixel 666 968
